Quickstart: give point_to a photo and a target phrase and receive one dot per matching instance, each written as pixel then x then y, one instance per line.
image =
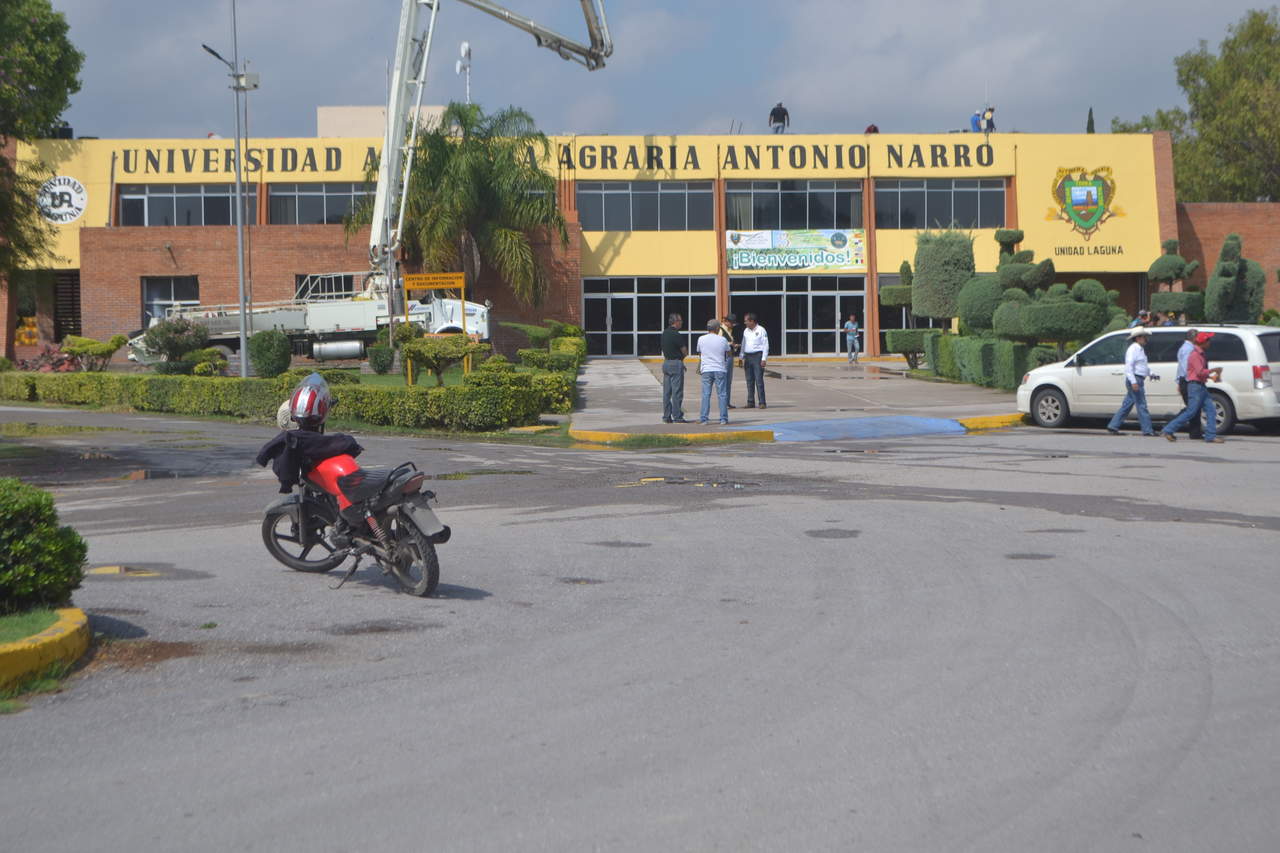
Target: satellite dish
pixel 466 50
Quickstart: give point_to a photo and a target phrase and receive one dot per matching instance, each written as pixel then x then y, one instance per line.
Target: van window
pixel 1164 346
pixel 1271 345
pixel 1224 346
pixel 1106 351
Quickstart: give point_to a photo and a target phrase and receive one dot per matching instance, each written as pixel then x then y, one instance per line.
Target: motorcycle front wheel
pixel 417 568
pixel 280 535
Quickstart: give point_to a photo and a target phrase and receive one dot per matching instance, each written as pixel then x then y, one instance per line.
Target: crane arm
pixel 592 56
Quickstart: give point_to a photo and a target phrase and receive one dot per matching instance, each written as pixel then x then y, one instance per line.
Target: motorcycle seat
pixel 363 484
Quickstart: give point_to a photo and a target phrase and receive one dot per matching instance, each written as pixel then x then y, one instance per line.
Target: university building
pixel 802 230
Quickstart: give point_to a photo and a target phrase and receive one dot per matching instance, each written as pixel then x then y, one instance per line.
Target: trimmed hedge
pixel 1010 361
pixel 974 359
pixel 40 562
pixel 1190 303
pixel 895 295
pixel 556 390
pixel 463 407
pixel 908 343
pixel 543 360
pixel 574 344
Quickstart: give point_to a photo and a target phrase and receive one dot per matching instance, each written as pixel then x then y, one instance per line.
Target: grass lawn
pixel 21 625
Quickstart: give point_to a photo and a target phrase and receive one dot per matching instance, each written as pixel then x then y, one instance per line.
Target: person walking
pixel 727 326
pixel 851 337
pixel 1200 402
pixel 755 355
pixel 713 352
pixel 1136 373
pixel 779 118
pixel 1184 351
pixel 674 349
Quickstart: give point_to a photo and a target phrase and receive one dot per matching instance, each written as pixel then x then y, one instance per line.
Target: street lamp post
pixel 240 82
pixel 463 66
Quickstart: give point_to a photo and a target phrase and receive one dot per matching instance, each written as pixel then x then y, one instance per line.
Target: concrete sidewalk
pixel 807 401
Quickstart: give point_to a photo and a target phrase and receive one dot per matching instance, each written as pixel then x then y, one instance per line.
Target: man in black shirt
pixel 674 349
pixel 779 118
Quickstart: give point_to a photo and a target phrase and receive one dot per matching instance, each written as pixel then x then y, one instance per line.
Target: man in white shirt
pixel 755 355
pixel 1136 373
pixel 715 352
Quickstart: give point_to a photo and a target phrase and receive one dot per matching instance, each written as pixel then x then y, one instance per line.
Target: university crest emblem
pixel 1084 199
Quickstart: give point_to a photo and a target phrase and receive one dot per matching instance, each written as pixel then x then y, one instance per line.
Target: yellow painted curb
pixel 533 430
pixel 604 437
pixel 986 422
pixel 65 640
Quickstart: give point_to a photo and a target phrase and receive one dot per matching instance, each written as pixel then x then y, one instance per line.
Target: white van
pixel 1091 383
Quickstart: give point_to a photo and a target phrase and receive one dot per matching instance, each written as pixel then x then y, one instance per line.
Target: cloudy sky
pixel 678 66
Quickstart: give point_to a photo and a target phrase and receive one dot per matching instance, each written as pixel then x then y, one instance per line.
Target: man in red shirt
pixel 1198 400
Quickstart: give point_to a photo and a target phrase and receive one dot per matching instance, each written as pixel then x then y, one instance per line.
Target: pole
pixel 237 84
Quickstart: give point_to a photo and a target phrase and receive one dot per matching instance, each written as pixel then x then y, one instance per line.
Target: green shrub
pixel 1026 275
pixel 437 354
pixel 500 378
pixel 174 368
pixel 908 343
pixel 1008 321
pixel 1040 356
pixel 895 295
pixel 1170 266
pixel 206 362
pixel 289 380
pixel 17 386
pixel 1010 360
pixel 1188 303
pixel 40 562
pixel 944 262
pixel 543 360
pixel 556 391
pixel 171 338
pixel 381 357
pixel 270 353
pixel 978 301
pixel 93 355
pixel 562 330
pixel 974 359
pixel 946 364
pixel 931 337
pixel 1236 287
pixel 538 336
pixel 574 344
pixel 496 362
pixel 5 364
pixel 1008 238
pixel 905 275
pixel 1065 314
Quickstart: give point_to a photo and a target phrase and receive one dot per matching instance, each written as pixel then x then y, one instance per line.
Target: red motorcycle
pixel 334 509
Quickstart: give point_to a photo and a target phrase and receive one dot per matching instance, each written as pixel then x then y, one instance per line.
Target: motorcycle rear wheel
pixel 417 567
pixel 280 535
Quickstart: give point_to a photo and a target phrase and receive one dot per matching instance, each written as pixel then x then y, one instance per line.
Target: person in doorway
pixel 1184 352
pixel 674 349
pixel 1143 319
pixel 779 118
pixel 755 355
pixel 851 337
pixel 727 326
pixel 1200 402
pixel 713 352
pixel 1136 373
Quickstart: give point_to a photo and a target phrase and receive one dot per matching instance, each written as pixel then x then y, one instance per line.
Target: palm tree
pixel 474 196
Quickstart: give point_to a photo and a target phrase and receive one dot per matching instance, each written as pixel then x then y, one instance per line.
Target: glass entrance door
pixel 610 323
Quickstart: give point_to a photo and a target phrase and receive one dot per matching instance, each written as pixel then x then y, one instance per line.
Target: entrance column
pixel 871 304
pixel 720 219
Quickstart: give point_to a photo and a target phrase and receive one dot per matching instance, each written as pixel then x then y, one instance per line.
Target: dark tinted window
pixel 1164 346
pixel 1271 345
pixel 1106 351
pixel 1225 347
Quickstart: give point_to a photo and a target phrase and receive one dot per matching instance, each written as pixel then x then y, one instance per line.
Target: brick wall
pixel 114 260
pixel 1166 198
pixel 1202 227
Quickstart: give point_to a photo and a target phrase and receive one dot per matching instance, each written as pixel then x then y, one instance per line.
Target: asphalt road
pixel 1024 640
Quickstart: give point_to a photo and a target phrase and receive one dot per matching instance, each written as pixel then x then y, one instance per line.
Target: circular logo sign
pixel 62 200
pixel 839 241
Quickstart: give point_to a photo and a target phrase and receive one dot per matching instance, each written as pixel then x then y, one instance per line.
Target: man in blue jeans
pixel 714 352
pixel 1198 400
pixel 1136 373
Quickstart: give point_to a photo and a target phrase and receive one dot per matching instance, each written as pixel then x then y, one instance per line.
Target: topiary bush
pixel 944 263
pixel 172 338
pixel 381 357
pixel 1236 287
pixel 576 345
pixel 438 353
pixel 974 359
pixel 206 362
pixel 496 363
pixel 1065 314
pixel 1170 266
pixel 1010 361
pixel 979 299
pixel 270 353
pixel 563 330
pixel 895 295
pixel 538 336
pixel 543 360
pixel 40 562
pixel 909 343
pixel 93 355
pixel 1188 303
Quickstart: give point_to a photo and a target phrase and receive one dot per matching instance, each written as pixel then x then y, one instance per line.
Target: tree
pixel 39 71
pixel 474 197
pixel 944 262
pixel 1226 144
pixel 438 353
pixel 1088 125
pixel 1235 289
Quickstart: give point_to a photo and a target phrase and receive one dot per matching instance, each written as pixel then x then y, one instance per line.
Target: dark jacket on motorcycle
pixel 292 453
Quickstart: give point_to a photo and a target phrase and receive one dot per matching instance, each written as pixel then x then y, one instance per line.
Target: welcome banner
pixel 818 251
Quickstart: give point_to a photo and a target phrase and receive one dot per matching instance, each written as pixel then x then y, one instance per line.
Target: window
pixel 939 203
pixel 626 316
pixel 324 286
pixel 793 205
pixel 183 204
pixel 1270 345
pixel 1164 346
pixel 1225 347
pixel 801 313
pixel 645 205
pixel 162 292
pixel 1106 351
pixel 313 204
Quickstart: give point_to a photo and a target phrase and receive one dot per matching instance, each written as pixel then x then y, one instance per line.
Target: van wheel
pixel 1049 408
pixel 1224 411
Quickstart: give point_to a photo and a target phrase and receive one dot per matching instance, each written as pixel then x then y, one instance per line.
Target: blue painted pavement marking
pixel 884 426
